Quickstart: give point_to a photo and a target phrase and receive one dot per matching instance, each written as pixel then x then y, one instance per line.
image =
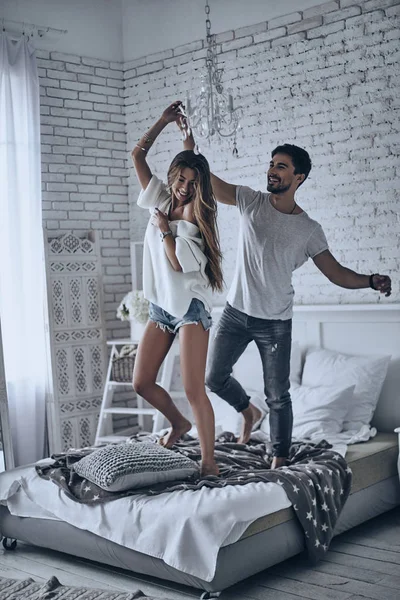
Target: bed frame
pixel 351 329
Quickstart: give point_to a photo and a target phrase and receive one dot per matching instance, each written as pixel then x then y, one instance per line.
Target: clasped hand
pixel 160 220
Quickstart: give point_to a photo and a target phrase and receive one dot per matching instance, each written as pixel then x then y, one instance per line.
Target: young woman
pixel 181 269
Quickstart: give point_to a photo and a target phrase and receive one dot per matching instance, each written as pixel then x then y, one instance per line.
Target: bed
pixel 268 538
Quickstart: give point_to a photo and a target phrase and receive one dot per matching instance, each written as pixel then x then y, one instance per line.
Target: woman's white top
pixel 172 290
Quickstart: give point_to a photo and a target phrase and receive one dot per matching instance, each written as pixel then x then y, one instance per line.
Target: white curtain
pixel 22 271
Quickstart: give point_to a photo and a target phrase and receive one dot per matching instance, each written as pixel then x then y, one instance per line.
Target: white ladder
pixel 105 432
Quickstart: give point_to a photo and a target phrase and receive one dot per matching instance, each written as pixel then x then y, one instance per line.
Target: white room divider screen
pixel 78 350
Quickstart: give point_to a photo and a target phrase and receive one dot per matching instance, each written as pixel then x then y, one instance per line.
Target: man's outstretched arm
pixel 346 278
pixel 224 192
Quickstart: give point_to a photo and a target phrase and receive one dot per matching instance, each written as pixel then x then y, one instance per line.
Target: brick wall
pixel 325 79
pixel 84 167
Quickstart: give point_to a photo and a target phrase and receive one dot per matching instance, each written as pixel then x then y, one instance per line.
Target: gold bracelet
pixel 141 147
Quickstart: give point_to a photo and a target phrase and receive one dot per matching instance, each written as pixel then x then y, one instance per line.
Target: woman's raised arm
pixel 141 149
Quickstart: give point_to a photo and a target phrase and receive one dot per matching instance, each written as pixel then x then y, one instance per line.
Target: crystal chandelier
pixel 211 111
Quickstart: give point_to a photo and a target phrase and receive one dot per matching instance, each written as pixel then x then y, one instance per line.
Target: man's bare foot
pixel 175 433
pixel 278 461
pixel 210 468
pixel 251 415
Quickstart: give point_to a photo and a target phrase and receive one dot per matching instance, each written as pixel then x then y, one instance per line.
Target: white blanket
pixel 185 529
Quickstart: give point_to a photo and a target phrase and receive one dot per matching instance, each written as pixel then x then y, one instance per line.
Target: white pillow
pixel 318 412
pixel 366 373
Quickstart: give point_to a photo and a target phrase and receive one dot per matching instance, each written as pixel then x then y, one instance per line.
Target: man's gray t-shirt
pixel 271 246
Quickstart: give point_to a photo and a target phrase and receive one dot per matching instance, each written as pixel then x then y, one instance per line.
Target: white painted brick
pixel 63 168
pixel 61 187
pixel 46 130
pixel 67 150
pixel 119 127
pixel 339 15
pixel 91 97
pixel 56 93
pixel 98 152
pixel 50 64
pixel 96 62
pixel 53 177
pixel 65 112
pixel 95 170
pixel 95 115
pixel 325 30
pixel 305 24
pixel 118 118
pixel 108 180
pixel 185 48
pixel 74 85
pixel 78 104
pixel 71 58
pixel 68 131
pixel 115 83
pixel 132 64
pixel 100 89
pixel 237 43
pixel 157 56
pixel 81 160
pixel 42 54
pixel 249 30
pixel 226 36
pixel 284 20
pixel 93 79
pixel 61 75
pixel 290 39
pixel 321 9
pixel 80 141
pixel 374 4
pixel 80 179
pixel 79 68
pixel 92 189
pixel 98 135
pixel 151 68
pixel 49 158
pixel 270 35
pixel 113 102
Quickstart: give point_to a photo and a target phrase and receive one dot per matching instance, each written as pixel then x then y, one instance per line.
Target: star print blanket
pixel 317 481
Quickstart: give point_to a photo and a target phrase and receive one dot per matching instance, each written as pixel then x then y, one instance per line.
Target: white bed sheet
pixel 185 528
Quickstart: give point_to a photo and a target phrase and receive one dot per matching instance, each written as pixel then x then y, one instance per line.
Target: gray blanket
pixel 317 481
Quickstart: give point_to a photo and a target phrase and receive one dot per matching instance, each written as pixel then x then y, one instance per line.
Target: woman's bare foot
pixel 278 461
pixel 251 415
pixel 175 433
pixel 210 468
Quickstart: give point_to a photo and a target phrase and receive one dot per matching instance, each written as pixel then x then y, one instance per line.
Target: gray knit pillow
pixel 120 467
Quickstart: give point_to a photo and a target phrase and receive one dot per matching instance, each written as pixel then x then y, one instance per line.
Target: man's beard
pixel 277 188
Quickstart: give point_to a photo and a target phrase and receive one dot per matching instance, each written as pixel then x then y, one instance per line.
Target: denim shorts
pixel 196 314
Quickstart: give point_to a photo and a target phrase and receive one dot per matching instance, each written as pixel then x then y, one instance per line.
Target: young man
pixel 276 237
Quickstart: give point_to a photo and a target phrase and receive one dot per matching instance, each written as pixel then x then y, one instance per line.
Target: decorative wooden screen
pixel 77 339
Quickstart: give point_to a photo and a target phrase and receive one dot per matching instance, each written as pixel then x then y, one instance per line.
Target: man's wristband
pixel 371 281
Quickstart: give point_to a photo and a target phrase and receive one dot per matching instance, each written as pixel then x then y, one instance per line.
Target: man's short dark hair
pixel 300 158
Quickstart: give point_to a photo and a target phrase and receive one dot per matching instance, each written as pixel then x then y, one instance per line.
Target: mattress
pixel 268 541
pixel 371 462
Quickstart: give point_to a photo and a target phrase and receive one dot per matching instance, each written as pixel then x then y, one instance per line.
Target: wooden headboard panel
pixel 360 329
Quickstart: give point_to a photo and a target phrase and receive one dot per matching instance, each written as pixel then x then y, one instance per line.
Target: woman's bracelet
pixel 145 150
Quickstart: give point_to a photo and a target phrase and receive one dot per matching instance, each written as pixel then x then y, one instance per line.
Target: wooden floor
pixel 362 563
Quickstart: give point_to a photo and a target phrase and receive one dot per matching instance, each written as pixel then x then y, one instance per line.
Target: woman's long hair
pixel 205 210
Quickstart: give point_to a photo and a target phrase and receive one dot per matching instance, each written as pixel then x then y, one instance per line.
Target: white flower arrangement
pixel 134 307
